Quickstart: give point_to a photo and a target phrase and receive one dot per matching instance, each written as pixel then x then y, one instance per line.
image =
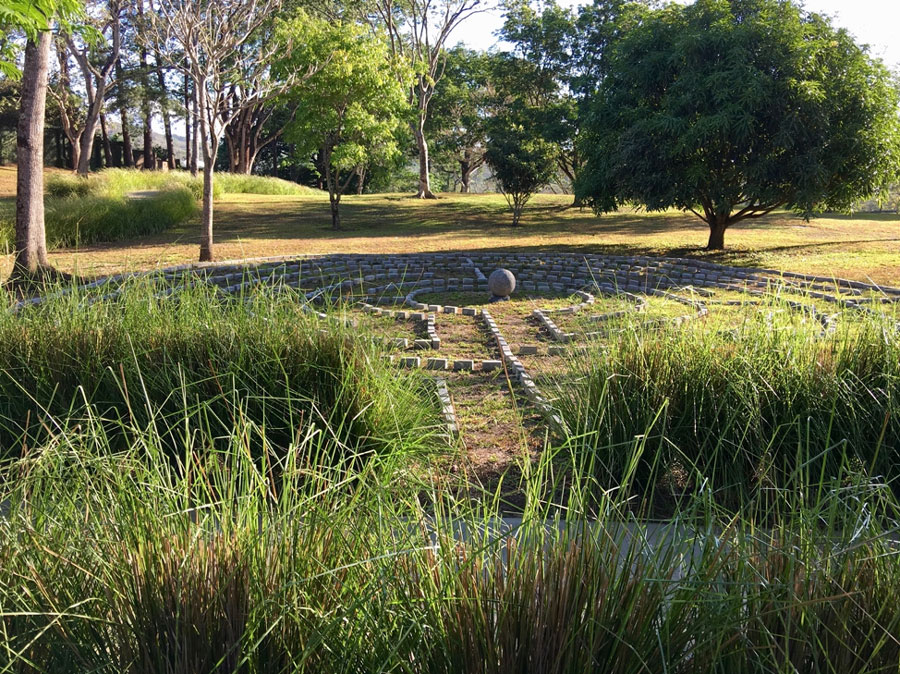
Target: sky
pixel 872 22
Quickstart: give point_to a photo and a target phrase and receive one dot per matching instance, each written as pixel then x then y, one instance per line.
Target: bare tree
pixel 204 40
pixel 418 31
pixel 31 246
pixel 96 60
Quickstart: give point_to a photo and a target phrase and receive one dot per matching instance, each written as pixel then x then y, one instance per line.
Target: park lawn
pixel 864 247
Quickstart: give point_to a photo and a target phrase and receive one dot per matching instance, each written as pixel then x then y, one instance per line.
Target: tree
pixel 522 161
pixel 418 31
pixel 31 246
pixel 461 106
pixel 538 75
pixel 95 50
pixel 204 40
pixel 350 109
pixel 730 109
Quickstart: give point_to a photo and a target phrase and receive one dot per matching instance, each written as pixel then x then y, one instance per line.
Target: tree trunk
pixel 210 149
pixel 465 174
pixel 424 179
pixel 187 123
pixel 127 152
pixel 90 130
pixel 107 148
pixel 195 125
pixel 717 234
pixel 360 179
pixel 167 121
pixel 206 224
pixel 31 246
pixel 149 159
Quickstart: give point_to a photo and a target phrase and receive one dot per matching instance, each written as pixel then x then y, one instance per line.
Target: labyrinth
pixel 432 312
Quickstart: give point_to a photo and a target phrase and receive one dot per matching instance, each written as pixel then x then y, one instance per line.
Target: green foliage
pixel 350 108
pixel 29 17
pixel 732 108
pixel 463 99
pixel 536 76
pixel 521 160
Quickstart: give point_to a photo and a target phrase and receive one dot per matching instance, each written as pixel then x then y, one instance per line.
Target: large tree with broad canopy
pixel 731 109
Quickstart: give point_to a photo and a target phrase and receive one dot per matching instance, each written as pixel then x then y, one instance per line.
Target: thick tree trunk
pixel 424 179
pixel 31 246
pixel 107 147
pixel 90 131
pixel 717 234
pixel 465 174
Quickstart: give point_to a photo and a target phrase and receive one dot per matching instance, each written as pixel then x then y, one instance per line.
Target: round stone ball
pixel 501 282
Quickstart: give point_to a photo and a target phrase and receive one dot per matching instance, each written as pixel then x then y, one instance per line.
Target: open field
pixel 864 247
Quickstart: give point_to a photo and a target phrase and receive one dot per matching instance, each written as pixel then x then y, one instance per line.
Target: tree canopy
pixel 733 108
pixel 349 110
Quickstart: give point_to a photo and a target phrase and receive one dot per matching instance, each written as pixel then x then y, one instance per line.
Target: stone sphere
pixel 501 282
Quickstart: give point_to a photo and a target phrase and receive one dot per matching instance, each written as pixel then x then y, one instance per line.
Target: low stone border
pixel 448 411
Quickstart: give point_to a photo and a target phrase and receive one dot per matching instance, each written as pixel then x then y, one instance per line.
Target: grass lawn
pixel 864 247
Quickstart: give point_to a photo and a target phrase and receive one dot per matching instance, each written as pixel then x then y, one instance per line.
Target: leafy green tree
pixel 522 161
pixel 731 109
pixel 537 75
pixel 350 109
pixel 462 103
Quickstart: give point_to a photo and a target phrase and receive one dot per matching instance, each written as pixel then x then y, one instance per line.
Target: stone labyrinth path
pixel 489 360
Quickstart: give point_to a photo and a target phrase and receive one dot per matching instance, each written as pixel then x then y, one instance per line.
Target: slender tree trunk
pixel 187 122
pixel 360 179
pixel 31 245
pixel 422 145
pixel 127 152
pixel 717 229
pixel 149 159
pixel 107 147
pixel 195 126
pixel 210 149
pixel 167 120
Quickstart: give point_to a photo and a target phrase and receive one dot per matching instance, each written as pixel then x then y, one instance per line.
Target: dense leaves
pixel 349 110
pixel 522 161
pixel 733 108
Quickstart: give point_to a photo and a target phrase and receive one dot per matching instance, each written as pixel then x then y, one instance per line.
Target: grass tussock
pixel 146 359
pixel 742 409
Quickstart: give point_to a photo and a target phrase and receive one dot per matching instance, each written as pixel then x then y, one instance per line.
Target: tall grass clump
pixel 117 360
pixel 238 183
pixel 739 410
pixel 119 562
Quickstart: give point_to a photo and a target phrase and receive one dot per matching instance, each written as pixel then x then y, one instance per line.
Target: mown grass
pixel 120 204
pixel 773 400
